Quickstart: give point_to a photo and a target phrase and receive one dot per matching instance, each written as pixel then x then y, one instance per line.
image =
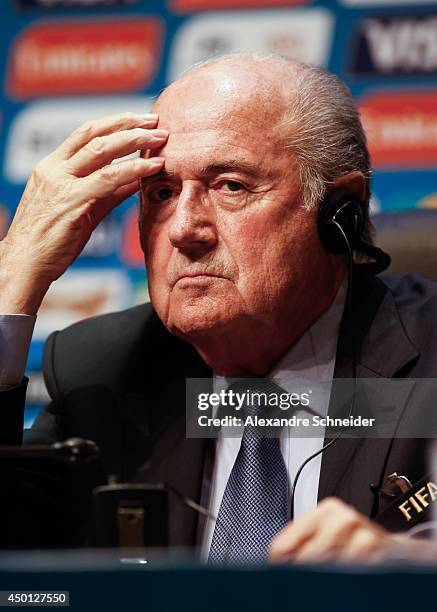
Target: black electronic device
pixel 47 494
pixel 341 221
pixel 131 515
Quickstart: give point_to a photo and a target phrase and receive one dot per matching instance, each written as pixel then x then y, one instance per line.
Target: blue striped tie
pixel 255 502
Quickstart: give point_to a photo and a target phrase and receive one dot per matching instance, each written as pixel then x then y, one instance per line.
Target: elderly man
pixel 239 155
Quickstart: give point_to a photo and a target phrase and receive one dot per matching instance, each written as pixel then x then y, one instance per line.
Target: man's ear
pixel 353 182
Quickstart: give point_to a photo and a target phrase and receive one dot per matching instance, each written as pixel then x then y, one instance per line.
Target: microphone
pixel 381 259
pixel 135 515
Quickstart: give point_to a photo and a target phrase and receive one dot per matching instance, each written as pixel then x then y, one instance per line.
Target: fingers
pixel 59 209
pixel 297 533
pixel 101 127
pixel 102 150
pixel 334 531
pixel 104 182
pixel 104 206
pixel 363 546
pixel 328 542
pixel 294 535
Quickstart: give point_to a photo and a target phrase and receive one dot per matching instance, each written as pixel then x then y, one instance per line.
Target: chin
pixel 194 321
pixel 192 327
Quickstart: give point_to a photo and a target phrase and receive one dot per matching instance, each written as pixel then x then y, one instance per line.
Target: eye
pixel 232 186
pixel 161 194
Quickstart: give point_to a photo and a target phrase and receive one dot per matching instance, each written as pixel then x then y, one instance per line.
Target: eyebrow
pixel 162 174
pixel 208 170
pixel 233 166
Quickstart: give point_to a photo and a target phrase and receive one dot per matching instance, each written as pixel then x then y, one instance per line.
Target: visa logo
pixel 396 46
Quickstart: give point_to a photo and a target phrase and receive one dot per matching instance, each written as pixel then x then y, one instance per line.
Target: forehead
pixel 220 113
pixel 242 88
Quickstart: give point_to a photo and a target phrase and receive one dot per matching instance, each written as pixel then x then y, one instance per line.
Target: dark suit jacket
pixel 119 380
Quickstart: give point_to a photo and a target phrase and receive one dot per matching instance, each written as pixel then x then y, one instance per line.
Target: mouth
pixel 196 276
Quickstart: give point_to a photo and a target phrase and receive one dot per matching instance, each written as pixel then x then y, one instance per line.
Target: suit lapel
pixel 375 335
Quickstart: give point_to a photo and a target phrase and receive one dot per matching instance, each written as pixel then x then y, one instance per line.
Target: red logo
pixel 401 128
pixel 87 57
pixel 202 5
pixel 131 252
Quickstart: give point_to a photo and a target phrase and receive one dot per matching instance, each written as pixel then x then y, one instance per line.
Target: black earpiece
pixel 341 220
pixel 345 209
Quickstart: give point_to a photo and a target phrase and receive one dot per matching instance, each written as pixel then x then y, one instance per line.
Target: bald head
pixel 229 88
pixel 259 75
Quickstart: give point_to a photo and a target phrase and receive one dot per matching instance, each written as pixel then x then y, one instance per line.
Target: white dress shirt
pixel 312 358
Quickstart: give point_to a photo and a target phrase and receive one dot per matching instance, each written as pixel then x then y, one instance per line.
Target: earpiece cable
pixel 346 318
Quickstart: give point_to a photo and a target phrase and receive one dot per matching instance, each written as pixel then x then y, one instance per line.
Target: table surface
pixel 99 580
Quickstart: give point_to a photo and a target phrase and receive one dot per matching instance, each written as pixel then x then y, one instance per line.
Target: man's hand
pixel 335 531
pixel 69 192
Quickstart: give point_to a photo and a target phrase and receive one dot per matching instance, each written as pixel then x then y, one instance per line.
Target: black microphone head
pixel 381 259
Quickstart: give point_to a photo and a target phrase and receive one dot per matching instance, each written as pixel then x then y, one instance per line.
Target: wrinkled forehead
pixel 223 97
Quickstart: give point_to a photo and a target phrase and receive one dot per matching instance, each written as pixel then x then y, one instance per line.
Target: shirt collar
pixel 312 357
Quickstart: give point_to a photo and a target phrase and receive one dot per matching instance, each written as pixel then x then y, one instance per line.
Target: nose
pixel 193 226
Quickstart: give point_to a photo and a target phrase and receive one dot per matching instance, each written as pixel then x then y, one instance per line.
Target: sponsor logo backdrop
pixel 66 61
